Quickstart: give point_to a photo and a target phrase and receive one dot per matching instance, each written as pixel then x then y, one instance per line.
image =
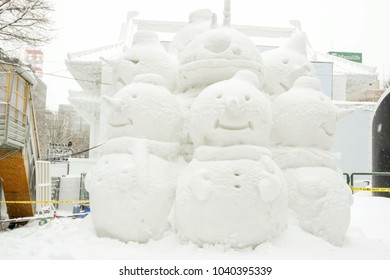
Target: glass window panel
pixel 3 78
pixel 13 99
pixel 15 82
pixel 20 103
pixel 11 112
pixel 21 87
pixel 3 93
pixel 2 110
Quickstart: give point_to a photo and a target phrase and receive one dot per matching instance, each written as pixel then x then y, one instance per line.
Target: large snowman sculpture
pixel 303 131
pixel 132 186
pixel 231 192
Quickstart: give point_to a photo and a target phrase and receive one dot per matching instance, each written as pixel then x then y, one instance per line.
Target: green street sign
pixel 352 56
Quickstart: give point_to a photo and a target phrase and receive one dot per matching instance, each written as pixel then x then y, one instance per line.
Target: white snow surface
pixel 368 237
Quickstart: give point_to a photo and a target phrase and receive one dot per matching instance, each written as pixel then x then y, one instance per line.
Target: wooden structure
pixel 18 138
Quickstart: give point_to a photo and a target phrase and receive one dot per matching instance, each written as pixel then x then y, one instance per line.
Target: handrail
pixel 348 178
pixel 369 174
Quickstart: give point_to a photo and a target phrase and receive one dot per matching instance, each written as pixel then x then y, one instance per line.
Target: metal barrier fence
pixel 351 181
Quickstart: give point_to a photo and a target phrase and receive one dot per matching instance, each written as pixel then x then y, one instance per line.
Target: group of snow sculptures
pixel 256 132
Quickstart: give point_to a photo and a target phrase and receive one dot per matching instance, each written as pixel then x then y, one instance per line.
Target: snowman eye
pixel 237 51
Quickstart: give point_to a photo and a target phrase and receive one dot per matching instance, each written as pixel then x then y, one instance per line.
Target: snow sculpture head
pixel 216 55
pixel 285 64
pixel 199 22
pixel 145 56
pixel 145 108
pixel 304 116
pixel 231 112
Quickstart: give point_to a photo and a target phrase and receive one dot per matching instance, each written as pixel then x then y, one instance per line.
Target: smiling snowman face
pixel 304 116
pixel 231 112
pixel 146 109
pixel 285 64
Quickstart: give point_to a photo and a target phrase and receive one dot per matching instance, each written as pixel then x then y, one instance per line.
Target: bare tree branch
pixel 25 21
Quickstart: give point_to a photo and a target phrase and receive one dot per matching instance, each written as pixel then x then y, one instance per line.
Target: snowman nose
pixel 232 105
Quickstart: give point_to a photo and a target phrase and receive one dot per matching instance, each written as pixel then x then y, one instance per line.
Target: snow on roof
pixel 341 65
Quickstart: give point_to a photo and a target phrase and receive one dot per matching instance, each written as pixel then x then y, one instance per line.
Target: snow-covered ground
pixel 368 237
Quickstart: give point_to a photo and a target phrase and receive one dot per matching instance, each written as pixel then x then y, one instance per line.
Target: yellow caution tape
pixel 43 201
pixel 370 189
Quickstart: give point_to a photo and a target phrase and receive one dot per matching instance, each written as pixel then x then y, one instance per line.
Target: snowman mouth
pixel 284 86
pixel 123 123
pixel 218 124
pixel 326 130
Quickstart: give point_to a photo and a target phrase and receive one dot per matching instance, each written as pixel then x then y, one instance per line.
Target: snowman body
pixel 231 192
pixel 234 196
pixel 132 186
pixel 304 127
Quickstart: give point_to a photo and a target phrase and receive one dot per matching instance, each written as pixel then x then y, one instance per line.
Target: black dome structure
pixel 381 144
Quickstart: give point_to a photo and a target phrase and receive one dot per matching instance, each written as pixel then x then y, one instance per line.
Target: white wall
pixel 69 190
pixel 353 137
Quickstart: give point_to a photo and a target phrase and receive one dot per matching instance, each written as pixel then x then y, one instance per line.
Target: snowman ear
pixel 248 77
pixel 111 101
pixel 121 82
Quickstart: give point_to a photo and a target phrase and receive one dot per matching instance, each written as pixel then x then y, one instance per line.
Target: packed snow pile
pixel 190 139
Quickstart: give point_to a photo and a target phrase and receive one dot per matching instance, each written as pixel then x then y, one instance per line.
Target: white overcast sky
pixel 338 25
